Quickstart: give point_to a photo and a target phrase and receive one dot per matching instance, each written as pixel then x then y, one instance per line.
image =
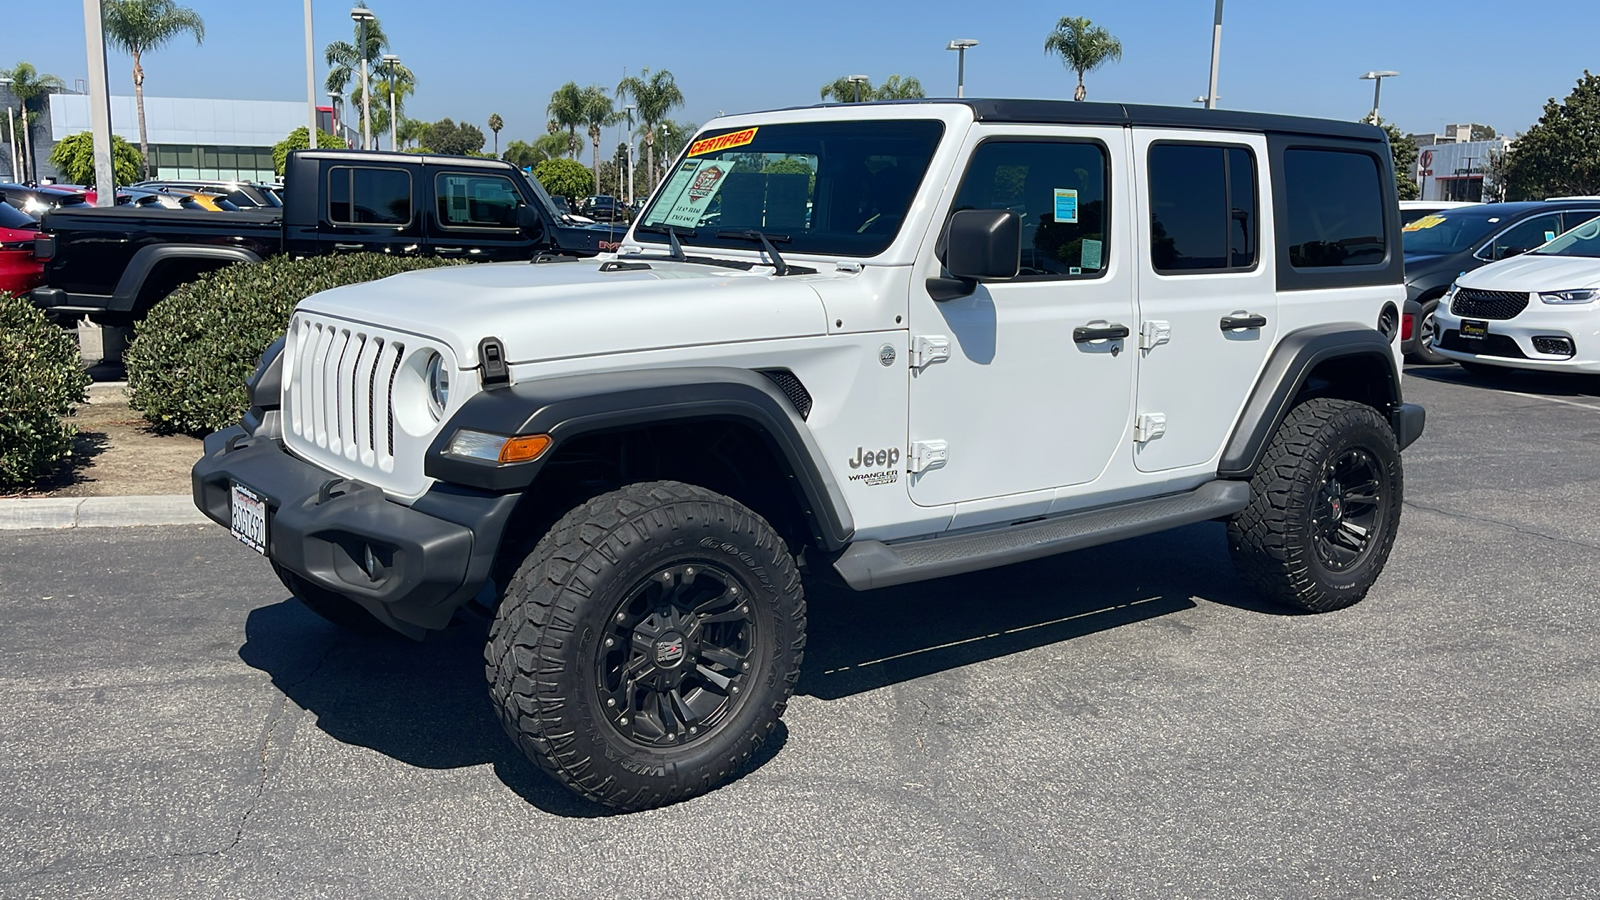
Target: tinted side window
pixel 358 196
pixel 1526 235
pixel 476 201
pixel 1202 207
pixel 1335 211
pixel 1059 190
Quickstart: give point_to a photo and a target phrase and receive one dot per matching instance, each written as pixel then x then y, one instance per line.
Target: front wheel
pixel 1324 507
pixel 648 644
pixel 1427 332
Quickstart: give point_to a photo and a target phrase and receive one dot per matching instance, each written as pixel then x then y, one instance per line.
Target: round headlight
pixel 438 385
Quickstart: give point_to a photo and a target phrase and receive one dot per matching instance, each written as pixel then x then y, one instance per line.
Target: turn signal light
pixel 524 449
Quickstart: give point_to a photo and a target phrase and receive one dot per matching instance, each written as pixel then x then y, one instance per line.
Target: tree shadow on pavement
pixel 426 704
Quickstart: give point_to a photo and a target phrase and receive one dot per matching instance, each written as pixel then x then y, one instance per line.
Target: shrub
pixel 189 360
pixel 41 380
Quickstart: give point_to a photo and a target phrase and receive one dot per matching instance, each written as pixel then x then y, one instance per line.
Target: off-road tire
pixel 545 656
pixel 339 610
pixel 1273 539
pixel 1427 329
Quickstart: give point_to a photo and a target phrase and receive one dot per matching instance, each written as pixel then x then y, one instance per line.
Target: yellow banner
pixel 722 142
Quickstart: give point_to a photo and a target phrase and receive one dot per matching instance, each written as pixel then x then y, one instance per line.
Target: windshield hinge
pixel 492 368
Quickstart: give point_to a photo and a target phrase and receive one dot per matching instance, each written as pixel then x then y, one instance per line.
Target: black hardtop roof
pixel 399 156
pixel 1072 112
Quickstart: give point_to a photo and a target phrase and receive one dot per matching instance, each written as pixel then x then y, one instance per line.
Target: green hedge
pixel 41 380
pixel 192 353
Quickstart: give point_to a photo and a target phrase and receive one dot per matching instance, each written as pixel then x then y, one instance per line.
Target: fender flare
pixel 126 294
pixel 570 406
pixel 1285 373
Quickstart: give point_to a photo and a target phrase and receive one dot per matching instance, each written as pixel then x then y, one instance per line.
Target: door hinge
pixel 1149 426
pixel 1154 333
pixel 927 455
pixel 927 349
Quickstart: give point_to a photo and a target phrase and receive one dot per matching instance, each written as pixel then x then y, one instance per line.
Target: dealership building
pixel 1449 169
pixel 190 138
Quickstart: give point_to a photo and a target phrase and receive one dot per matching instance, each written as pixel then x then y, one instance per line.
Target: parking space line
pixel 1553 400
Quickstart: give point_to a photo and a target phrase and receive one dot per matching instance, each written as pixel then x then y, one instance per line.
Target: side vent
pixel 792 388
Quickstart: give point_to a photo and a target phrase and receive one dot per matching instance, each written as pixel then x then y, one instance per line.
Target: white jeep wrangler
pixel 901 340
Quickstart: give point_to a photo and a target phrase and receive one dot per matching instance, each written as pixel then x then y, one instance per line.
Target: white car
pixel 1540 310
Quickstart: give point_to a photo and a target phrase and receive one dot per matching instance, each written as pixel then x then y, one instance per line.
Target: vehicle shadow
pixel 1551 384
pixel 425 704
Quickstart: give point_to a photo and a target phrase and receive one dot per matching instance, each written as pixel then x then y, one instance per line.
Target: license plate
pixel 1474 328
pixel 250 518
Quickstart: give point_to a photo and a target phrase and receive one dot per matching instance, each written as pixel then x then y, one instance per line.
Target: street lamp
pixel 1377 86
pixel 311 85
pixel 858 81
pixel 629 111
pixel 1216 58
pixel 11 131
pixel 960 45
pixel 361 15
pixel 335 100
pixel 392 62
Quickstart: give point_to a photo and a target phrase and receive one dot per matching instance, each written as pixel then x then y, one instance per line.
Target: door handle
pixel 1243 323
pixel 349 246
pixel 1083 334
pixel 449 251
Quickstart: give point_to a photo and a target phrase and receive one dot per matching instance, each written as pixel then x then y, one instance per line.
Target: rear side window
pixel 1334 201
pixel 1058 188
pixel 1203 208
pixel 362 196
pixel 468 200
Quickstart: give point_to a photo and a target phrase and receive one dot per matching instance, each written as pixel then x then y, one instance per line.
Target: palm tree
pixel 140 26
pixel 672 136
pixel 1083 47
pixel 598 112
pixel 655 96
pixel 843 90
pixel 566 111
pixel 897 88
pixel 28 85
pixel 495 124
pixel 344 60
pixel 410 130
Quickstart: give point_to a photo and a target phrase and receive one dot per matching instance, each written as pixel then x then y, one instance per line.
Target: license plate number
pixel 1473 328
pixel 250 518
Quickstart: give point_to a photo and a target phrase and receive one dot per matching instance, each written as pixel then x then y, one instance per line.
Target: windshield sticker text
pixel 690 191
pixel 1424 222
pixel 722 142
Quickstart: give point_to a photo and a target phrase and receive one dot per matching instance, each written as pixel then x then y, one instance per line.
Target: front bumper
pixel 433 555
pixel 1511 342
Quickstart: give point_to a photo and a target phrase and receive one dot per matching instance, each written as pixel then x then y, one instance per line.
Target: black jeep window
pixel 1059 190
pixel 1335 209
pixel 468 200
pixel 1202 208
pixel 359 196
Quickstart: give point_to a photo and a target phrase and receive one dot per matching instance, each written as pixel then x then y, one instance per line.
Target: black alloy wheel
pixel 1348 504
pixel 675 662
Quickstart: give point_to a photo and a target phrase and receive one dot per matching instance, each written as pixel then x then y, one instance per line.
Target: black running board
pixel 874 564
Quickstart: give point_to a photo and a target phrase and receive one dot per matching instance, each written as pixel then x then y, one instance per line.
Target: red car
pixel 19 271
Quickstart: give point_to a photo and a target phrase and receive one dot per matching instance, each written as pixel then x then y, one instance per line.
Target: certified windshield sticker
pixel 689 193
pixel 722 142
pixel 1066 205
pixel 1424 222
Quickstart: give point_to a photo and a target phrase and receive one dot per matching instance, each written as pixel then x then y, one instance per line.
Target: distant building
pixel 1455 170
pixel 1452 134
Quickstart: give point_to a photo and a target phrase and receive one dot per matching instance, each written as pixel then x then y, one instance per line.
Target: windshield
pixel 1581 241
pixel 1449 231
pixel 15 218
pixel 828 188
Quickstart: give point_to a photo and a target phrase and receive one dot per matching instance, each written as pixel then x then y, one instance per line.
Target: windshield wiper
pixel 675 251
pixel 768 242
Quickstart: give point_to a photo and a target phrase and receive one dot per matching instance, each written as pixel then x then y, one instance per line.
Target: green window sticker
pixel 1091 254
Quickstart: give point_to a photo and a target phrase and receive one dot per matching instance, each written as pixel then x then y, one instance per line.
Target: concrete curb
pixel 99 512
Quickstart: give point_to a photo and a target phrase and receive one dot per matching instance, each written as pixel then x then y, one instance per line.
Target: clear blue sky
pixel 1464 61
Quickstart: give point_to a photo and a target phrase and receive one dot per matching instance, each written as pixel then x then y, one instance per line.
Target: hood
pixel 564 309
pixel 1531 272
pixel 1422 265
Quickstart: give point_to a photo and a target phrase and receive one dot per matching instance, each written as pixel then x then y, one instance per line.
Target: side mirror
pixel 530 222
pixel 980 245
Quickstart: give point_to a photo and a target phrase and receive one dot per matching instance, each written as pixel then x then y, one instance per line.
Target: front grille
pixel 1554 346
pixel 1488 345
pixel 340 394
pixel 792 388
pixel 1470 303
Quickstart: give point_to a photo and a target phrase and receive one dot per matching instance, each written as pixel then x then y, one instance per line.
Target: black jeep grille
pixel 1475 304
pixel 792 388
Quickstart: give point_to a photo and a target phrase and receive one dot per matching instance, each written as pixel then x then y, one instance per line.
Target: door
pixel 1207 302
pixel 475 216
pixel 370 209
pixel 1023 400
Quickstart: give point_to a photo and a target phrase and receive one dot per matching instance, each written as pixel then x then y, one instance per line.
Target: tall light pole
pixel 1216 57
pixel 311 85
pixel 335 100
pixel 392 62
pixel 1377 87
pixel 11 131
pixel 629 111
pixel 362 16
pixel 960 45
pixel 858 81
pixel 105 181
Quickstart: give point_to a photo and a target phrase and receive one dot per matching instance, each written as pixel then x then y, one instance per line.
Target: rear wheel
pixel 1427 332
pixel 648 644
pixel 1324 507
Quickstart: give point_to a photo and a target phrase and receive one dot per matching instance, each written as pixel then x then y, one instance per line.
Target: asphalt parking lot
pixel 1121 722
